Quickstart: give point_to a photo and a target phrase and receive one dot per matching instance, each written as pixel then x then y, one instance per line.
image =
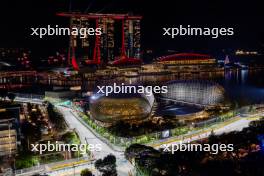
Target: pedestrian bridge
pixel 29 98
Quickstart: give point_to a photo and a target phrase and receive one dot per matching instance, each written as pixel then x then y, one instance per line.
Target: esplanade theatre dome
pixel 198 92
pixel 120 106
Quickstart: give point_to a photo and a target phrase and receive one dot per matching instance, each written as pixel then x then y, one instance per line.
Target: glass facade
pixel 196 92
pixel 111 109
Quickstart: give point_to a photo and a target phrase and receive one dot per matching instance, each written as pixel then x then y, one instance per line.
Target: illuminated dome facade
pixel 117 107
pixel 195 92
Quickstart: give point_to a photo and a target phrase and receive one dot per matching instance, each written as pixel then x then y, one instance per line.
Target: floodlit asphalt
pixel 123 166
pixel 86 136
pixel 237 125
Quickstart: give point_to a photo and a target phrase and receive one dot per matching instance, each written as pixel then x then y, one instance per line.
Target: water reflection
pixel 241 86
pixel 236 76
pixel 244 86
pixel 244 75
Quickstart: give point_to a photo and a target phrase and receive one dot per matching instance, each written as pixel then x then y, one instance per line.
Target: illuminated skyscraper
pixel 110 39
pixel 132 38
pixel 107 39
pixel 136 41
pixel 81 45
pixel 93 49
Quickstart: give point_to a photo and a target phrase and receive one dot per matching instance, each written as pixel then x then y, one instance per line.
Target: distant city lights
pixel 241 52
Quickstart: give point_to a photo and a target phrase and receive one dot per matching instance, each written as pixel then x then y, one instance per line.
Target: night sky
pixel 246 17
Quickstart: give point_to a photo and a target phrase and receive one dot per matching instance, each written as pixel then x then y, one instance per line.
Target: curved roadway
pixel 86 136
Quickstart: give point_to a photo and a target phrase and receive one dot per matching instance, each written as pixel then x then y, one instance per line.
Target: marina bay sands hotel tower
pixel 120 37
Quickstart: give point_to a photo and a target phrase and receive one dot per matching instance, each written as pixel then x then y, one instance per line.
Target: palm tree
pixel 86 172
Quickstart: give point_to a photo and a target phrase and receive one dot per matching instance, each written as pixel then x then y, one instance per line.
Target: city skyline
pixel 245 18
pixel 131 88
